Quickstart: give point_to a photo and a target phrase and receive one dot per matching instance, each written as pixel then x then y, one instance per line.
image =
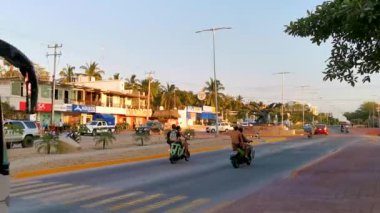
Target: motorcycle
pixel 177 152
pixel 344 129
pixel 238 157
pixel 309 134
pixel 74 136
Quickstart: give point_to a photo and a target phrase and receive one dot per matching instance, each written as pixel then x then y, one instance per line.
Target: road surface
pixel 204 184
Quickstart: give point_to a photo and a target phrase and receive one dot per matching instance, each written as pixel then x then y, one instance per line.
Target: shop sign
pixel 194 109
pixel 83 108
pixel 139 112
pixel 63 107
pixel 111 110
pixel 208 109
pixel 41 107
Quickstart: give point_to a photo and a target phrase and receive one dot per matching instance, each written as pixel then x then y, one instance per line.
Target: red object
pixel 321 129
pixel 41 107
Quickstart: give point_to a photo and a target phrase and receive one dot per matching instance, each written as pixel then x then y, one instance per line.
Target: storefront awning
pixel 206 116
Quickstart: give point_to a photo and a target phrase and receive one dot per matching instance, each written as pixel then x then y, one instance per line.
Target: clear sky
pixel 137 36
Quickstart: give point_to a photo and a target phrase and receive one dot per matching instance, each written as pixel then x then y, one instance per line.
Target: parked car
pixel 150 127
pixel 223 127
pixel 20 132
pixel 95 127
pixel 321 129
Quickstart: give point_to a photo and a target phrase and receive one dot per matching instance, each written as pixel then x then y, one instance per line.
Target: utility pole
pixel 55 54
pixel 149 81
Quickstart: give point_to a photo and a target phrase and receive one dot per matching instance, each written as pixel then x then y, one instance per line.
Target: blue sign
pixel 83 108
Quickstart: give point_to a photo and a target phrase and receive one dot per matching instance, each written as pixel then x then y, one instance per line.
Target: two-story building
pixel 80 101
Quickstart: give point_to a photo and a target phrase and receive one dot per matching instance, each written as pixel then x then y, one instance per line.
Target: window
pixel 18 124
pixel 80 96
pixel 22 89
pixel 30 125
pixel 109 100
pixel 56 94
pixel 66 97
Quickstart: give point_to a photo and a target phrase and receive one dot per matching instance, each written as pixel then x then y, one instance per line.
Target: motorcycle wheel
pixel 172 161
pixel 235 164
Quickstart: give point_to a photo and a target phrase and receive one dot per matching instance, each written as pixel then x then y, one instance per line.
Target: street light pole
pixel 282 95
pixel 215 81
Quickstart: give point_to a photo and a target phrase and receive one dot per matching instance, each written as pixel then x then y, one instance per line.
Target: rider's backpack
pixel 173 135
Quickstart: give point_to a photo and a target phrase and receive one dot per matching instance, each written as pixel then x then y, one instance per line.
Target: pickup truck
pixel 96 127
pixel 20 132
pixel 223 127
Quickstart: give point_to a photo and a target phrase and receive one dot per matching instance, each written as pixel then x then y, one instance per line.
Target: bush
pixel 104 138
pixel 48 142
pixel 189 133
pixel 142 136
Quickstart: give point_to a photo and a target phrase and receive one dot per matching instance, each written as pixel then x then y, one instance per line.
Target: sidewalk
pixel 347 181
pixel 42 164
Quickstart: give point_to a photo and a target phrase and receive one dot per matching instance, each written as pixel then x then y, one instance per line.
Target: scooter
pixel 238 157
pixel 177 152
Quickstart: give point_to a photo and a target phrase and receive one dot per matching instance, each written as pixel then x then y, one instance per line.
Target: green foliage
pixel 67 73
pixel 83 129
pixel 93 70
pixel 121 127
pixel 48 142
pixel 353 26
pixel 142 137
pixel 365 114
pixel 104 138
pixel 210 90
pixel 8 110
pixel 132 83
pixel 169 99
pixel 189 132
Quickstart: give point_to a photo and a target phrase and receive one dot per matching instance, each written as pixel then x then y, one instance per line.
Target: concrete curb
pixel 93 165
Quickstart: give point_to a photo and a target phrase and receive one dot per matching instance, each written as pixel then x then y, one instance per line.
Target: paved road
pixel 206 183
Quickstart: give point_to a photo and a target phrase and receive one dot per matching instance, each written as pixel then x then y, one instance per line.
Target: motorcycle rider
pixel 246 141
pixel 308 128
pixel 237 141
pixel 184 143
pixel 172 135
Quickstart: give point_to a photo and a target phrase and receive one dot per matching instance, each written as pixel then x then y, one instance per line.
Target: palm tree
pixel 169 98
pixel 104 138
pixel 11 72
pixel 210 90
pixel 141 137
pixel 67 73
pixel 132 83
pixel 116 76
pixel 155 91
pixel 93 70
pixel 42 73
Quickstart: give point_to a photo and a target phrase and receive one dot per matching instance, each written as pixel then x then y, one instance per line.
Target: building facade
pixel 79 102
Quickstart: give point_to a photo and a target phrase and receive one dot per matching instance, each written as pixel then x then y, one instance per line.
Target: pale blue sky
pixel 137 36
